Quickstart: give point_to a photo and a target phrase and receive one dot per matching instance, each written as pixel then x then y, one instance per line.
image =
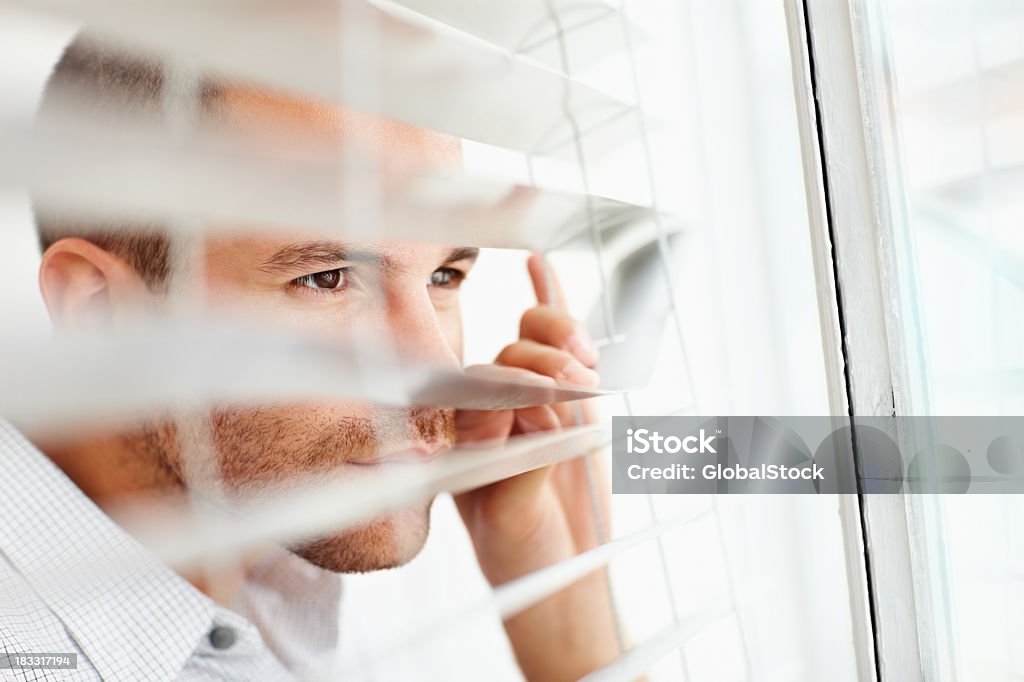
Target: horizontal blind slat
pixel 145 176
pixel 420 72
pixel 520 594
pixel 593 29
pixel 636 661
pixel 146 371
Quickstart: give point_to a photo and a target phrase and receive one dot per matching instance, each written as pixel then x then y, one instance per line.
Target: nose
pixel 418 332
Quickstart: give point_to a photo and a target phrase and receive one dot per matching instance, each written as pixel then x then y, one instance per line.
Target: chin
pixel 386 542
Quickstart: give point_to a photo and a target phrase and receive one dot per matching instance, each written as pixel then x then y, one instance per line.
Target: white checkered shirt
pixel 133 618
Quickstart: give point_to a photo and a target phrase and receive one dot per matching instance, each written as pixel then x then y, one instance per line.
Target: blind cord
pixel 600 523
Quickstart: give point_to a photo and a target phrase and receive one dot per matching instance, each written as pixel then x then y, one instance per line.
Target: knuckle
pixel 535 316
pixel 546 323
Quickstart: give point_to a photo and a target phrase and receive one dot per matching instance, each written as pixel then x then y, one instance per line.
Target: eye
pixel 328 279
pixel 447 278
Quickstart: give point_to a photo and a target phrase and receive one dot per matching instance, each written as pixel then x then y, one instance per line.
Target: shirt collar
pixel 90 572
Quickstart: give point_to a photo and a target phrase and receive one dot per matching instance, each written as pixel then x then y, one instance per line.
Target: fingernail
pixel 575 373
pixel 583 347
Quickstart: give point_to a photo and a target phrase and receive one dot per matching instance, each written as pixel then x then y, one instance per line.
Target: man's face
pixel 333 288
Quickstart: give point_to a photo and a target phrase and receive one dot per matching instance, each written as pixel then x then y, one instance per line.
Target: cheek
pixel 273 443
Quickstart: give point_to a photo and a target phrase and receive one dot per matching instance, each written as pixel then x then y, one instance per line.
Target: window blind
pixel 423 73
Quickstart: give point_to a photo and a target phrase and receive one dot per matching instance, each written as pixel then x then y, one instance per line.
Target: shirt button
pixel 222 637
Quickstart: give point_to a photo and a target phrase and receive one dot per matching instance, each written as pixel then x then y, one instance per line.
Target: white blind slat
pixel 520 594
pixel 153 369
pixel 413 70
pixel 144 175
pixel 594 29
pixel 636 661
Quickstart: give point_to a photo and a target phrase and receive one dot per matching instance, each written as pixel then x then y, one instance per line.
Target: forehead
pixel 280 119
pixel 276 121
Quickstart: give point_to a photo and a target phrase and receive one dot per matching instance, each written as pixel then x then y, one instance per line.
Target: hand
pixel 544 516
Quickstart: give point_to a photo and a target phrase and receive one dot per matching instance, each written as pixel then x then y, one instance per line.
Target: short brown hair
pixel 102 79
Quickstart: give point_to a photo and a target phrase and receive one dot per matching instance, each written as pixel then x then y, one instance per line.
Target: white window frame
pixel 843 91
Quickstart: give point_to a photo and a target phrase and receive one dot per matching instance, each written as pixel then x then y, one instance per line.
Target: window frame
pixel 856 210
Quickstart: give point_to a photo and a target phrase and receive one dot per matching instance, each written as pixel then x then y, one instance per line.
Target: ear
pixel 85 287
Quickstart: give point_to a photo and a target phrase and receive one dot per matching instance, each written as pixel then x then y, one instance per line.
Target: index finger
pixel 546 286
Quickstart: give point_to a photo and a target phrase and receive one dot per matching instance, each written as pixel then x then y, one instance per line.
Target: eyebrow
pixel 321 254
pixel 461 253
pixel 307 256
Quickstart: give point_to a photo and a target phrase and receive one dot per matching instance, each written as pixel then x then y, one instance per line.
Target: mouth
pixel 418 452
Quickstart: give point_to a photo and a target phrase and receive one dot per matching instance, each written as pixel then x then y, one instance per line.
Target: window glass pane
pixel 959 67
pixel 957 71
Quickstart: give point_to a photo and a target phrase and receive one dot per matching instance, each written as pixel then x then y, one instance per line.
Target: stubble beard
pixel 265 451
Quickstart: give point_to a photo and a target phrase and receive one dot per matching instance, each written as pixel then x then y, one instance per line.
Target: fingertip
pixel 536 265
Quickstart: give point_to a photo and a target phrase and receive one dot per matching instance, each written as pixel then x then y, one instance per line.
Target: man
pixel 275 615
